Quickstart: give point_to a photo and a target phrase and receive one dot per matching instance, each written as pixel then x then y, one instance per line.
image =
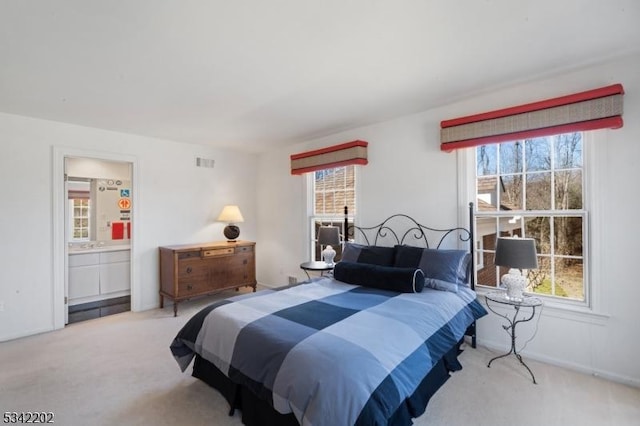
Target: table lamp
pixel 231 215
pixel 516 254
pixel 328 236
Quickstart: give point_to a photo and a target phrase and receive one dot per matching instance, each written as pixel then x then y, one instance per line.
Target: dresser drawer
pixel 217 252
pixel 244 249
pixel 189 255
pixel 188 288
pixel 192 269
pixel 241 269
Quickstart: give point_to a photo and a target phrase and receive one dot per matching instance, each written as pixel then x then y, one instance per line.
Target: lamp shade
pixel 329 235
pixel 230 214
pixel 517 253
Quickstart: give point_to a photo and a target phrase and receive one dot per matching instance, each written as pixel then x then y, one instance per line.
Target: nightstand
pixel 316 266
pixel 528 303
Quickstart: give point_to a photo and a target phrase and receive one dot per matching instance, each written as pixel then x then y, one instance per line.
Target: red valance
pixel 344 154
pixel 591 110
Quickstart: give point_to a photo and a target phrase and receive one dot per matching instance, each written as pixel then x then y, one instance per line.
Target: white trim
pixel 537 356
pixel 466 192
pixel 308 214
pixel 59 249
pixel 595 157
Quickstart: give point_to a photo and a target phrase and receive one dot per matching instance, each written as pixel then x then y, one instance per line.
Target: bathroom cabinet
pixel 97 276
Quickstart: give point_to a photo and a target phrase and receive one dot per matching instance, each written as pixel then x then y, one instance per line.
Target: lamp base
pixel 231 232
pixel 328 254
pixel 515 283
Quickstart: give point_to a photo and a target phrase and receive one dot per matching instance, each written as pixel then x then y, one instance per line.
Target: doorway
pixel 98 236
pixel 94 199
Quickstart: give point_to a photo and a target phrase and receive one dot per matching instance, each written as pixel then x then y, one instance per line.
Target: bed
pixel 369 345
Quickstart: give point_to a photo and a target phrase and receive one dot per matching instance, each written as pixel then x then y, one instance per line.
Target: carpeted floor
pixel 118 370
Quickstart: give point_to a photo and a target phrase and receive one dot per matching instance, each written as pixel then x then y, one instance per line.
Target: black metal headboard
pixel 400 229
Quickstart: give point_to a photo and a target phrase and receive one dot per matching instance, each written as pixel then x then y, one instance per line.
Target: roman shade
pixel 344 154
pixel 591 110
pixel 76 194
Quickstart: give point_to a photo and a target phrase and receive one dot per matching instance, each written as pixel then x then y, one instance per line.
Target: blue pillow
pixel 440 285
pixel 403 280
pixel 443 269
pixel 374 255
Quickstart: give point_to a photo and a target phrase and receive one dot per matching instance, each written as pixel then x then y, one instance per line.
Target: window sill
pixel 563 310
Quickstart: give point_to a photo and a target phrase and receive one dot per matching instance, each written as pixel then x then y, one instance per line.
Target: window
pixel 332 189
pixel 79 208
pixel 534 188
pixel 79 217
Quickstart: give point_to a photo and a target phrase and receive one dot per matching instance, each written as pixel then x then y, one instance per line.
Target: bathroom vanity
pixel 99 281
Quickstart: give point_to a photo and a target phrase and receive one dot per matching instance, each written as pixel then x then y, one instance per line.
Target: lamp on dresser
pixel 231 215
pixel 328 236
pixel 516 254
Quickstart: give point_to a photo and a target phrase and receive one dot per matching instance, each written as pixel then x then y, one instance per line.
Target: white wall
pixel 408 173
pixel 177 203
pixel 98 169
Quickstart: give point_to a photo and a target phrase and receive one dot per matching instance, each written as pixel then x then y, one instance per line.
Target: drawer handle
pixel 244 262
pixel 189 269
pixel 189 287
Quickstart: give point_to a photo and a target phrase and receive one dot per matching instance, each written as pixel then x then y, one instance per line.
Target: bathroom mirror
pixel 99 210
pixel 100 201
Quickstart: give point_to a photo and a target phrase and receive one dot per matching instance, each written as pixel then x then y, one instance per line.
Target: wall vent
pixel 205 162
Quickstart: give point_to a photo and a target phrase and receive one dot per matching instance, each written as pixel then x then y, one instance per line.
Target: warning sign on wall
pixel 124 203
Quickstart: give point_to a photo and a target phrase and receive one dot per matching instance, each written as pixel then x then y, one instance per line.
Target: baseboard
pixel 268 286
pixel 26 334
pixel 607 375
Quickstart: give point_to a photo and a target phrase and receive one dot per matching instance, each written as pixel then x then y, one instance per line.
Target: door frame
pixel 60 249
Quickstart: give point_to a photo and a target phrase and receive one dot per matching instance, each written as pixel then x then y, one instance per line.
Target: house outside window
pixel 534 188
pixel 332 189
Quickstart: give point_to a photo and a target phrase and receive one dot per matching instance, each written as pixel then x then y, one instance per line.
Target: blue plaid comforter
pixel 331 353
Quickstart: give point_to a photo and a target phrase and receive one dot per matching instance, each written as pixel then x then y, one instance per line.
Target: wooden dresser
pixel 192 270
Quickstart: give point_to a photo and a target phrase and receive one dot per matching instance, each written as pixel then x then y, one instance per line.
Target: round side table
pixel 316 266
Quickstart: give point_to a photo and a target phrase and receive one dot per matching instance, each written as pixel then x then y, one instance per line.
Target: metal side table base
pixel 527 302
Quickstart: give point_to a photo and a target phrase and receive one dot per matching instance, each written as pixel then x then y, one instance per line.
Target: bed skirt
pixel 257 412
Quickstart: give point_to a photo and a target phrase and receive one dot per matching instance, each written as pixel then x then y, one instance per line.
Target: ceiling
pixel 255 74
